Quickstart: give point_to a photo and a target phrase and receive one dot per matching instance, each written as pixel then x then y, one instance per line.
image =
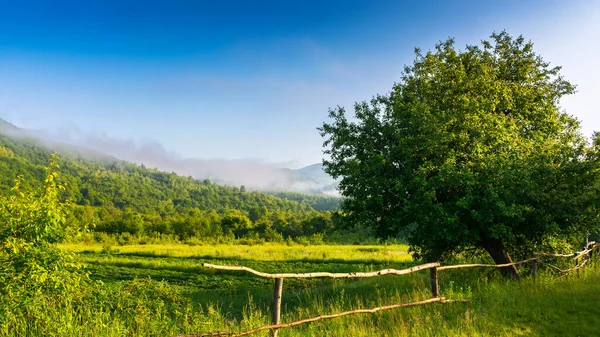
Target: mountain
pixel 253 175
pixel 6 126
pixel 118 196
pixel 312 179
pixel 314 171
pixel 307 180
pixel 21 153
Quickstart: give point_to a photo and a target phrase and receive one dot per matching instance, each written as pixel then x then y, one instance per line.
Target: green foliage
pixel 319 202
pixel 32 223
pixel 237 223
pixel 34 272
pixel 116 197
pixel 470 149
pixel 191 299
pixel 4 152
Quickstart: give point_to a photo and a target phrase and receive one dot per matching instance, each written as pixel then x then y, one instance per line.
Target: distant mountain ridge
pixel 4 125
pixel 310 179
pixel 22 153
pixel 118 197
pixel 315 170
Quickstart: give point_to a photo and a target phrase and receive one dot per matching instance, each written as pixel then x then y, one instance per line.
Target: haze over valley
pixel 253 174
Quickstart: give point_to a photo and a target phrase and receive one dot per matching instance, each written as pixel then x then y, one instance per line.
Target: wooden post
pixel 435 290
pixel 587 241
pixel 277 304
pixel 534 267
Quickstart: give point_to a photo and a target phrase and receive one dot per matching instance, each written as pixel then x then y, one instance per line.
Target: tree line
pixel 112 196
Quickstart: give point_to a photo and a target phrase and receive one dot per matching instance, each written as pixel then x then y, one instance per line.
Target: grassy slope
pixel 232 301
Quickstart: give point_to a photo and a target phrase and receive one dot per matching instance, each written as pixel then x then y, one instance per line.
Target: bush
pixel 316 239
pixel 31 226
pixel 272 235
pixel 302 240
pixel 34 273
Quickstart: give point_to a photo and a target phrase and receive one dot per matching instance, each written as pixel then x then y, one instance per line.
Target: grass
pixel 164 291
pixel 264 252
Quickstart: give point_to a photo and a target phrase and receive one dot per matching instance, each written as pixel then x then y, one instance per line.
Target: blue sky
pixel 249 80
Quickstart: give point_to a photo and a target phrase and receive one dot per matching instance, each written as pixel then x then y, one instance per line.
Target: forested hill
pixel 124 197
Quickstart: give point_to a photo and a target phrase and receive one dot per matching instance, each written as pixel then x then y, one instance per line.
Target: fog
pixel 252 173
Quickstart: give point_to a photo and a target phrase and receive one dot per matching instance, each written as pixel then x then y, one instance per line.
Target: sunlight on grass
pixel 164 291
pixel 266 252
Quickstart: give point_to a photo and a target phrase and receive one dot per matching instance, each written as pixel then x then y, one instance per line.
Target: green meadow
pixel 159 290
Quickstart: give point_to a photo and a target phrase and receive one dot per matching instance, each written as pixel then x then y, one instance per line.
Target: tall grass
pixel 181 297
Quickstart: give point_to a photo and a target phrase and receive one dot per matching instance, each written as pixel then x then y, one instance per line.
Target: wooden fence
pixel 580 260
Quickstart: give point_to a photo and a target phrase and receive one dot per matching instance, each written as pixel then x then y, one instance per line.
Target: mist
pixel 254 174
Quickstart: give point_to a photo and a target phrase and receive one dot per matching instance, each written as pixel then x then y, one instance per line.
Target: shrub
pixel 34 272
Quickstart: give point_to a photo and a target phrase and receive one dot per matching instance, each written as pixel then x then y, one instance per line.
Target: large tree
pixel 470 149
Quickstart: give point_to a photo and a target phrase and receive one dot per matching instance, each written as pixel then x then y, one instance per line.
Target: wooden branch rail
pixel 582 253
pixel 587 252
pixel 553 255
pixel 567 272
pixel 321 317
pixel 589 247
pixel 460 266
pixel 433 267
pixel 326 274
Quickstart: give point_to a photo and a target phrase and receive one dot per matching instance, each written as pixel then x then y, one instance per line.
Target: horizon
pixel 257 176
pixel 247 82
pixel 50 140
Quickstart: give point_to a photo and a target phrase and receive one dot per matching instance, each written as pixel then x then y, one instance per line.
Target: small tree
pixel 31 224
pixel 236 222
pixel 470 149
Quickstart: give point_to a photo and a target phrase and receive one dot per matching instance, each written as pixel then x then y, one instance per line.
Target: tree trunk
pixel 496 249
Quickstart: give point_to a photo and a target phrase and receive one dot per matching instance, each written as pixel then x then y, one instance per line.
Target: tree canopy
pixel 470 149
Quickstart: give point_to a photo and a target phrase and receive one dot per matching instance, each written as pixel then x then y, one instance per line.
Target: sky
pixel 250 80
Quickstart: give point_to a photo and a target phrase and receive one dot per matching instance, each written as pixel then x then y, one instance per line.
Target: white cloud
pixel 253 173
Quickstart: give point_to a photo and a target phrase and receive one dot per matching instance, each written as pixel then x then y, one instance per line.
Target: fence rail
pixel 325 274
pixel 321 317
pixel 433 267
pixel 460 266
pixel 553 255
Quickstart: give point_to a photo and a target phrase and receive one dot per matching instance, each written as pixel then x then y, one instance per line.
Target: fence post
pixel 435 290
pixel 534 267
pixel 277 304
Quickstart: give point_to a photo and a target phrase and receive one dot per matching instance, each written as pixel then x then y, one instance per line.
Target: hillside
pixel 123 197
pixel 6 126
pixel 312 179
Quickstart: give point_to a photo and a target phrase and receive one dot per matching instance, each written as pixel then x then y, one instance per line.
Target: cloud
pixel 249 172
pixel 252 173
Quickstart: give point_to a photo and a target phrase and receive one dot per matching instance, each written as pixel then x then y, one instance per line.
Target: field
pixel 164 291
